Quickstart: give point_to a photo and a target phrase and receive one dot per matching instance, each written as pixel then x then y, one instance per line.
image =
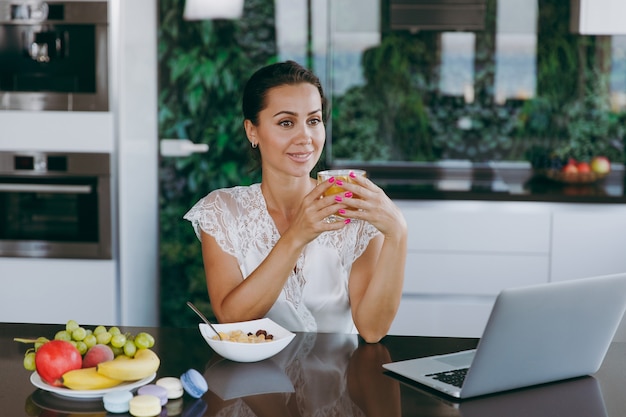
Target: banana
pixel 87 379
pixel 144 364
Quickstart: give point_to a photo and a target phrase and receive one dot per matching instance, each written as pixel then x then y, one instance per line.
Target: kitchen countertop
pixel 489 182
pixel 316 372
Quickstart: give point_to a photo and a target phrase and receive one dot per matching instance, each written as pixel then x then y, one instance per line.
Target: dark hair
pixel 275 75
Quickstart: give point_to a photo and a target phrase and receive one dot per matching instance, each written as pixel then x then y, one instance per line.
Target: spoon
pixel 204 319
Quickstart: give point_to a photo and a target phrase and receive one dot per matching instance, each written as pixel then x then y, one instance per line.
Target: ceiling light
pixel 213 9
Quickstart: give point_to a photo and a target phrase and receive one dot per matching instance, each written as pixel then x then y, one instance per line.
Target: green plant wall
pixel 202 69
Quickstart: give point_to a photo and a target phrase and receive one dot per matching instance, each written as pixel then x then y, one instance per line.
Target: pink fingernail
pixel 339 182
pixel 352 174
pixel 348 194
pixel 338 198
pixel 346 221
pixel 341 211
pixel 331 180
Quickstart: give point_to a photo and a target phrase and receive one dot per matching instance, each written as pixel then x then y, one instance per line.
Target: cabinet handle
pixel 45 188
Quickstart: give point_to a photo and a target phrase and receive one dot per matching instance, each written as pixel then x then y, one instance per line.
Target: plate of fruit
pixel 81 363
pixel 578 172
pixel 36 380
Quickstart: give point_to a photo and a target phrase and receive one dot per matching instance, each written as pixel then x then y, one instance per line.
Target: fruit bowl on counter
pixel 571 177
pixel 248 348
pixel 578 172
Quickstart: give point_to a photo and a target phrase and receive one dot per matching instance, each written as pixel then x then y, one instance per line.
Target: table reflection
pixel 579 397
pixel 317 374
pixel 573 398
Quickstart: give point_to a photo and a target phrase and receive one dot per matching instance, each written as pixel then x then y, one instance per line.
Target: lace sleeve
pixel 214 215
pixel 365 233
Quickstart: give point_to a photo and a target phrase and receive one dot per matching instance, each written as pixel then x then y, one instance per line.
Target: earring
pixel 254 145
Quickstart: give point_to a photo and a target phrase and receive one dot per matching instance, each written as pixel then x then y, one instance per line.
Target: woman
pixel 266 248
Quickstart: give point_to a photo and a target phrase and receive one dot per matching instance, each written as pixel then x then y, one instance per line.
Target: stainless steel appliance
pixel 55 205
pixel 53 55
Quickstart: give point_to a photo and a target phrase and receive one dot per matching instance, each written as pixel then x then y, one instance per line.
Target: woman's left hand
pixel 367 201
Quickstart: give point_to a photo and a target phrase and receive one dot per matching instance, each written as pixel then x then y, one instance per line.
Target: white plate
pixel 36 380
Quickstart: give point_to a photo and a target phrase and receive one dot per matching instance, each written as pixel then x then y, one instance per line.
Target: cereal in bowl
pixel 239 336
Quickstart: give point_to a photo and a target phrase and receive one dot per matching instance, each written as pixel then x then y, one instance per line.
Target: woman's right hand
pixel 315 208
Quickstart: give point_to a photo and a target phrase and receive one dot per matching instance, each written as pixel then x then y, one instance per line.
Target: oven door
pixel 55 217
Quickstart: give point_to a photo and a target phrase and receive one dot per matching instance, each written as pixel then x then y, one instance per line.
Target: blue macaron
pixel 194 383
pixel 117 401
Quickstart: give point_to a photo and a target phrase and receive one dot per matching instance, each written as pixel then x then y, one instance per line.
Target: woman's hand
pixel 311 218
pixel 364 200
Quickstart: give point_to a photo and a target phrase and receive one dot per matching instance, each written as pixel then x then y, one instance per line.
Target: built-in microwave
pixel 54 55
pixel 55 205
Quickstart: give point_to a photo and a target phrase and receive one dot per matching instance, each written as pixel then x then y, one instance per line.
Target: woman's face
pixel 290 131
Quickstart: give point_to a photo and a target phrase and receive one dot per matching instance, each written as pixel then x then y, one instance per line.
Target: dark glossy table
pixel 316 375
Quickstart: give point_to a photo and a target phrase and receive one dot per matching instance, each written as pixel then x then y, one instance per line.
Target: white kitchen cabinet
pixel 442 316
pixel 57 290
pixel 588 240
pixel 56 131
pixel 462 253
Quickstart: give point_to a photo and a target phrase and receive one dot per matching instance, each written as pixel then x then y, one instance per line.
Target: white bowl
pixel 247 352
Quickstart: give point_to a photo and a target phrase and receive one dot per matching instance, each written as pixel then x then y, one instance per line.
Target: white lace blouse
pixel 315 297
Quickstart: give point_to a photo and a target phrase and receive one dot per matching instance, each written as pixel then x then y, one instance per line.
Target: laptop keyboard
pixel 454 377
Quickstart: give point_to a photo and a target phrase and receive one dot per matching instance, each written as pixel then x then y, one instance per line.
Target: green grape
pixel 90 340
pixel 143 341
pixel 115 330
pixel 74 343
pixel 29 360
pixel 150 339
pixel 40 342
pixel 118 340
pixel 63 335
pixel 104 338
pixel 130 348
pixel 99 329
pixel 82 347
pixel 79 333
pixel 71 325
pixel 117 351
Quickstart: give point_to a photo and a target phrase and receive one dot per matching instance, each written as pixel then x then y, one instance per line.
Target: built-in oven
pixel 55 205
pixel 53 55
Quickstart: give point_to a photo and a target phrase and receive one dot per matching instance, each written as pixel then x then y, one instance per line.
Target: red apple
pixel 583 167
pixel 96 354
pixel 570 168
pixel 600 165
pixel 54 358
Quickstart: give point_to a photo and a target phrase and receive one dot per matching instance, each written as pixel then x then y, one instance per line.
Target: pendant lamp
pixel 213 9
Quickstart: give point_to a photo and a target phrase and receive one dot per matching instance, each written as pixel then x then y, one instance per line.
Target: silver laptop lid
pixel 547 332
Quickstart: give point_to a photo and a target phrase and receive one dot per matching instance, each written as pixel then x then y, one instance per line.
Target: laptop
pixel 535 334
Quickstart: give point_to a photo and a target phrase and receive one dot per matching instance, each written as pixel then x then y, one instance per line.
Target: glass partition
pixel 478 80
